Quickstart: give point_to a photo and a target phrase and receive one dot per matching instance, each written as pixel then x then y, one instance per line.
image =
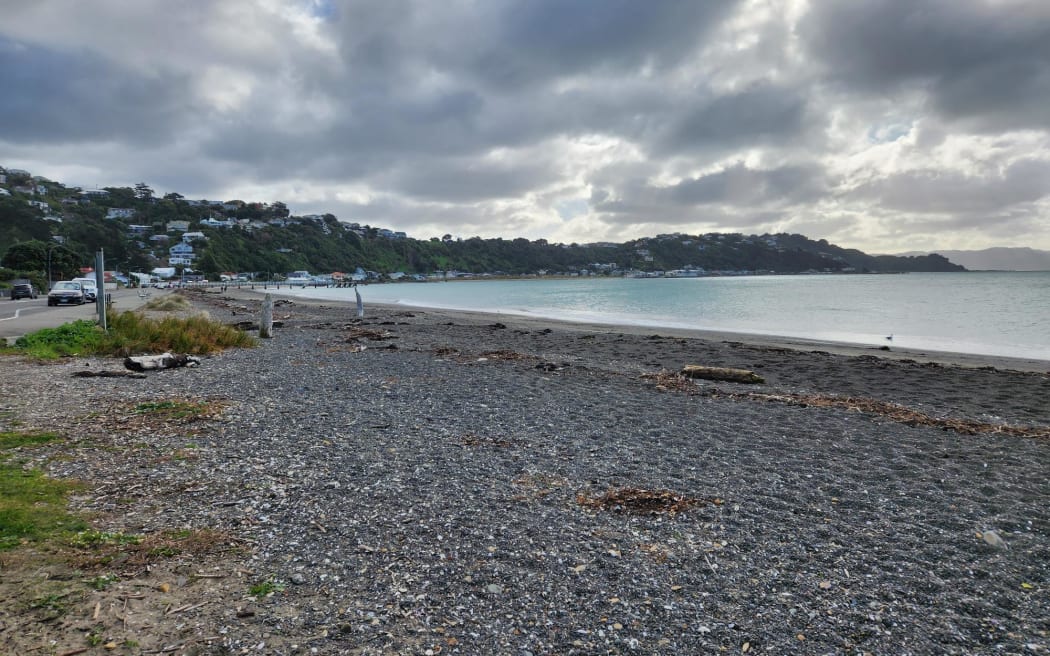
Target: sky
pixel 884 125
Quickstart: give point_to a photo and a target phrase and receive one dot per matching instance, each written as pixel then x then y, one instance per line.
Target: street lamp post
pixel 49 251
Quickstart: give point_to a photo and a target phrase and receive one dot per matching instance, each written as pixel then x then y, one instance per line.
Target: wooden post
pixel 266 323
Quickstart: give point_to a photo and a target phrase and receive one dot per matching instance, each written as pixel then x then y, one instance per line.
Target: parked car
pixel 66 292
pixel 89 287
pixel 23 290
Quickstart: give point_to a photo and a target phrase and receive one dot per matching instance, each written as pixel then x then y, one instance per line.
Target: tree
pixel 280 210
pixel 174 197
pixel 143 191
pixel 33 256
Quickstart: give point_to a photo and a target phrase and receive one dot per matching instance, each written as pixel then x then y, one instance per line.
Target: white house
pixel 95 193
pixel 120 213
pixel 40 205
pixel 218 223
pixel 181 254
pixel 4 192
pixel 187 237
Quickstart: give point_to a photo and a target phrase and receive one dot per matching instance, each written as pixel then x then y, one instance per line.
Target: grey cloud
pixel 740 185
pixel 737 186
pixel 545 39
pixel 468 181
pixel 51 96
pixel 760 115
pixel 982 62
pixel 933 191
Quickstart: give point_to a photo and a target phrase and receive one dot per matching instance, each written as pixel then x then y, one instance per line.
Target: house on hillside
pixel 40 205
pixel 218 223
pixel 177 226
pixel 120 213
pixel 181 253
pixel 187 237
pixel 95 193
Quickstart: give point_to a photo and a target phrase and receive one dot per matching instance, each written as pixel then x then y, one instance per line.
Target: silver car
pixel 66 292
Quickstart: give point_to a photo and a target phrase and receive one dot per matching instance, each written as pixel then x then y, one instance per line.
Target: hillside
pixel 140 232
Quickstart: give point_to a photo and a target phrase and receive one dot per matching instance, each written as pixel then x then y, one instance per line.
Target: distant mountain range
pixel 996 259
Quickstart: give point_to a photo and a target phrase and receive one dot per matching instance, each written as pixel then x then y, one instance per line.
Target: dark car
pixel 66 292
pixel 23 290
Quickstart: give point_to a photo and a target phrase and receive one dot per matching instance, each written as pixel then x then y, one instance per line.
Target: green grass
pixel 78 338
pixel 265 588
pixel 131 334
pixel 92 538
pixel 32 506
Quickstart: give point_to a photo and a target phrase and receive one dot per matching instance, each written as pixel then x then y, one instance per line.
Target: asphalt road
pixel 25 315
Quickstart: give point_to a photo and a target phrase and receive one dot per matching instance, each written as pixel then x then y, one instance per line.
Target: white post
pixel 266 322
pixel 100 288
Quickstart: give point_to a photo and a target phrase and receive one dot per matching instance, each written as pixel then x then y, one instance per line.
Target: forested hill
pixel 137 230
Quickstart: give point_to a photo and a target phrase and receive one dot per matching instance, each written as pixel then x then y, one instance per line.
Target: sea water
pixel 993 313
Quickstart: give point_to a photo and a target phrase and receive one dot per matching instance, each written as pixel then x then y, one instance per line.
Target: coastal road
pixel 24 316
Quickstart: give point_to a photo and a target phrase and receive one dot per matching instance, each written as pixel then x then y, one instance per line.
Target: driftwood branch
pixel 721 373
pixel 163 361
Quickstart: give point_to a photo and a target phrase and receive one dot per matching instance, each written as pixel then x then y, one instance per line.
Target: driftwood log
pixel 721 373
pixel 162 361
pixel 107 374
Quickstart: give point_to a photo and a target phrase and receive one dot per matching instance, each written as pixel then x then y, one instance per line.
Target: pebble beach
pixel 428 481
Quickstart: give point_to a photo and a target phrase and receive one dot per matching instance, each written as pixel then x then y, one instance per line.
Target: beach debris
pixel 669 381
pixel 504 355
pixel 722 373
pixel 497 326
pixel 107 374
pixel 477 440
pixel 162 361
pixel 355 332
pixel 891 411
pixel 992 539
pixel 640 501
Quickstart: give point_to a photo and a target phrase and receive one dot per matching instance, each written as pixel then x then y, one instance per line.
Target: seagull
pixel 889 337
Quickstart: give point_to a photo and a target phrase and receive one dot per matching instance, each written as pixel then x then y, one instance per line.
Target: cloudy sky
pixel 885 125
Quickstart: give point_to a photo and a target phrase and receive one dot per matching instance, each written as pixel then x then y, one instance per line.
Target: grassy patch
pixel 131 333
pixel 169 303
pixel 266 588
pixel 102 550
pixel 76 338
pixel 93 538
pixel 10 441
pixel 32 506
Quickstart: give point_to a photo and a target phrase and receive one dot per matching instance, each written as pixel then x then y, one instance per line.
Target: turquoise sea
pixel 994 313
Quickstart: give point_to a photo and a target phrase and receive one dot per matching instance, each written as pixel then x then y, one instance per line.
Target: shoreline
pixel 969 360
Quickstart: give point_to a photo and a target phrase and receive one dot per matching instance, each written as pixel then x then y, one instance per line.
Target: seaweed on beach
pixel 505 355
pixel 667 381
pixel 639 501
pixel 892 411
